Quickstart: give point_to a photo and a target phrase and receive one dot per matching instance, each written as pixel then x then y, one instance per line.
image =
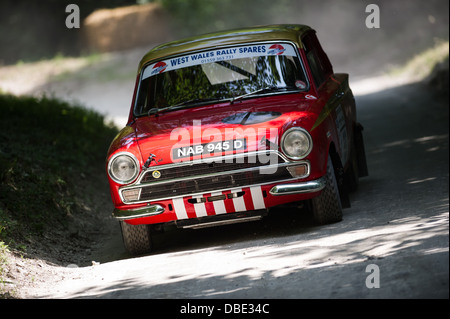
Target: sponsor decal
pixel 276 49
pixel 217 55
pixel 159 67
pixel 310 97
pixel 300 84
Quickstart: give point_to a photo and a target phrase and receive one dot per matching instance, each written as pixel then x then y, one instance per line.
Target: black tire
pixel 327 207
pixel 136 238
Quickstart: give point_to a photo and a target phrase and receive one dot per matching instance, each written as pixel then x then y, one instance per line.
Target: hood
pixel 219 129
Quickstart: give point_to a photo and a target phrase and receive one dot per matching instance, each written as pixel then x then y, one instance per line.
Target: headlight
pixel 123 168
pixel 296 143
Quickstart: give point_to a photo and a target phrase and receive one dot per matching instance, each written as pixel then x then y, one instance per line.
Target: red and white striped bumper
pixel 236 200
pixel 197 206
pixel 217 203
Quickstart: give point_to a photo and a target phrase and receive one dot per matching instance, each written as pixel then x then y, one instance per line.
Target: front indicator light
pixel 131 195
pixel 298 170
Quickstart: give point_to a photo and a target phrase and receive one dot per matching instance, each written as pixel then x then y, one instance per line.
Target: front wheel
pixel 136 238
pixel 327 207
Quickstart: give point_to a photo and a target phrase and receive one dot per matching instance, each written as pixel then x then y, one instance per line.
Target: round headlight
pixel 296 143
pixel 123 168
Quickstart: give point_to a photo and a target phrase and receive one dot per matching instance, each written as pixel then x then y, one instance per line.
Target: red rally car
pixel 224 126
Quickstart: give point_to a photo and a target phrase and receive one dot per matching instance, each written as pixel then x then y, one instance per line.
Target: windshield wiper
pixel 268 88
pixel 155 110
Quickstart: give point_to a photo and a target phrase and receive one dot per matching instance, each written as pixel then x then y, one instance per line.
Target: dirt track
pixel 398 221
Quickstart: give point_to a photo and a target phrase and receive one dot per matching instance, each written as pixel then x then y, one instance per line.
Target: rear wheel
pixel 327 207
pixel 136 238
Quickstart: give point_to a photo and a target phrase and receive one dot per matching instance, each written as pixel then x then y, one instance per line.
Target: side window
pixel 318 61
pixel 315 69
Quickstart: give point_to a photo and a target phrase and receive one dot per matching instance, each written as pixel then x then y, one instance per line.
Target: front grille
pixel 204 176
pixel 221 165
pixel 211 183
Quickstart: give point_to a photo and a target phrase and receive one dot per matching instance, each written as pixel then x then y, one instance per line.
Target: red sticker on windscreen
pixel 300 84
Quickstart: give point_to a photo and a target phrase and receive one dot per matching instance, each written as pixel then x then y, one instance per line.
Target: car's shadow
pixel 279 222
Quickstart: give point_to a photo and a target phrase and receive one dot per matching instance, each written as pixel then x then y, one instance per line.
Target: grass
pixel 46 146
pixel 420 66
pixel 3 262
pixel 49 150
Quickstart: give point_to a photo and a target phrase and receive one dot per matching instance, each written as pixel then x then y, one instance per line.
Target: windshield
pixel 219 74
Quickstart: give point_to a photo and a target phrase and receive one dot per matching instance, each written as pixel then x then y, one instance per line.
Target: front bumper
pixel 299 188
pixel 278 190
pixel 147 211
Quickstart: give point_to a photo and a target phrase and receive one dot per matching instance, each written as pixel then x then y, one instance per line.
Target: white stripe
pixel 180 209
pixel 257 197
pixel 200 209
pixel 239 203
pixel 219 205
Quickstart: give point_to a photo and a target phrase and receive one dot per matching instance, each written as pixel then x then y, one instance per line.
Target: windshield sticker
pixel 300 84
pixel 159 67
pixel 217 55
pixel 276 49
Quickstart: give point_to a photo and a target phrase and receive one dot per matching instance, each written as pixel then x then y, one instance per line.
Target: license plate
pixel 209 148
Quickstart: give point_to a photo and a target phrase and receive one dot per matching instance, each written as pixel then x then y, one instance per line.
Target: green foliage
pixel 3 262
pixel 201 16
pixel 35 30
pixel 45 146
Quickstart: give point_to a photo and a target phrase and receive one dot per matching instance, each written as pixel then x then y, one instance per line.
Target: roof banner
pixel 217 55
